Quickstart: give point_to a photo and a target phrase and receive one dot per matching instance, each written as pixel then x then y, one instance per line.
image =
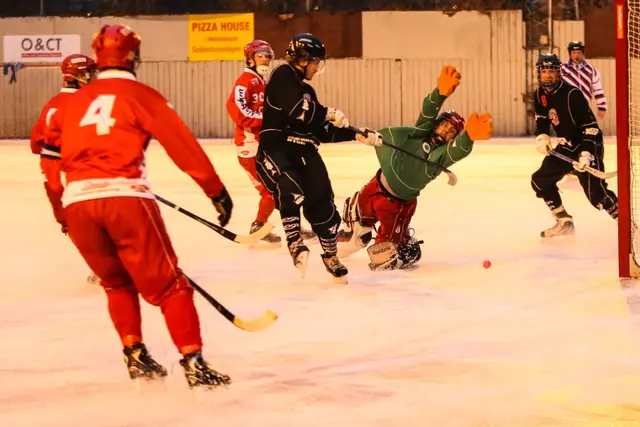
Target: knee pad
pixel 325 226
pixel 289 192
pixel 535 186
pixel 351 211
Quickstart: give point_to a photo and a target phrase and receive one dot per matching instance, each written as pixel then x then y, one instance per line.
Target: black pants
pixel 544 182
pixel 297 178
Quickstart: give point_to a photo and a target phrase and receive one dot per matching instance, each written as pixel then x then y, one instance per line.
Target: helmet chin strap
pixel 263 70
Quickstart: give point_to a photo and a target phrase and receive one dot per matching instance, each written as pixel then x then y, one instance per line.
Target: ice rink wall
pixel 382 64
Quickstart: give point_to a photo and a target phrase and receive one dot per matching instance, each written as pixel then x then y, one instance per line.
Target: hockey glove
pixel 479 127
pixel 449 80
pixel 223 204
pixel 583 161
pixel 543 144
pixel 369 137
pixel 337 118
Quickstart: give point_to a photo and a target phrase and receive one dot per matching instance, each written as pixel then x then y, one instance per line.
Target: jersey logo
pixel 254 82
pixel 543 99
pixel 591 131
pixel 553 116
pixel 426 147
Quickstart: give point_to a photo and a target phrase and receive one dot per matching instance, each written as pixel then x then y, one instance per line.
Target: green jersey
pixel 408 176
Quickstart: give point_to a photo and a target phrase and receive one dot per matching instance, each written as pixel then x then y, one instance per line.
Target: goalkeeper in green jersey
pixel 390 198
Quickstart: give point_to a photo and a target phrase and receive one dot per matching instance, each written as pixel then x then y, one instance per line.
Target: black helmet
pixel 549 61
pixel 305 47
pixel 575 45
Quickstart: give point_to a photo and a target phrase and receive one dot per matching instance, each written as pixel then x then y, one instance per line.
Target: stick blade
pixel 255 237
pixel 267 319
pixel 453 180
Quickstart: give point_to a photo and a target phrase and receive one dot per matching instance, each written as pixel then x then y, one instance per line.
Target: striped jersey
pixel 585 77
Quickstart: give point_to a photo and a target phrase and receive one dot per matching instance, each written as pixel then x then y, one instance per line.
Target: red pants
pixel 124 241
pixel 394 215
pixel 267 205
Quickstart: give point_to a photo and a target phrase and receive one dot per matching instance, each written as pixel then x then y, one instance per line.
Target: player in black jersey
pixel 288 163
pixel 579 137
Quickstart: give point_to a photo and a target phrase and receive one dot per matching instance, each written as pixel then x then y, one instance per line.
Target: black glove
pixel 223 204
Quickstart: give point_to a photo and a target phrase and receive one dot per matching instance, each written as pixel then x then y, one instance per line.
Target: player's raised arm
pixel 164 124
pixel 448 81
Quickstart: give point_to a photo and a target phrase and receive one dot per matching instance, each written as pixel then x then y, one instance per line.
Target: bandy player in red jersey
pixel 244 105
pixel 110 210
pixel 77 71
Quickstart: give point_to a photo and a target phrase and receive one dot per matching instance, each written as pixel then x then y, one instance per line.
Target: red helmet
pixel 78 68
pixel 117 46
pixel 445 134
pixel 257 46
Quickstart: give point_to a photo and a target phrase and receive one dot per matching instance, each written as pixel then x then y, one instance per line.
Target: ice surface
pixel 543 338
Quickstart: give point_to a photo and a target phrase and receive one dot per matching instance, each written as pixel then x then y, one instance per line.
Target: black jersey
pixel 570 114
pixel 292 115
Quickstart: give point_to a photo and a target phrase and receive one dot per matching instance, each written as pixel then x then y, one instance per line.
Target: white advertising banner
pixel 40 48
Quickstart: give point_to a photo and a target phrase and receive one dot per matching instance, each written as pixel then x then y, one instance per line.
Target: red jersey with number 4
pixel 54 104
pixel 245 106
pixel 103 134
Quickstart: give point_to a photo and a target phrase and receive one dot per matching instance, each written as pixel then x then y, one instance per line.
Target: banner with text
pixel 219 37
pixel 40 48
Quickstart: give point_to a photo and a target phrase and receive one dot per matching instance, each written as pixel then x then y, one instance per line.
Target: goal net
pixel 628 134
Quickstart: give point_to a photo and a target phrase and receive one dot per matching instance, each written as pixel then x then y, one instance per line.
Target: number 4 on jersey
pixel 99 114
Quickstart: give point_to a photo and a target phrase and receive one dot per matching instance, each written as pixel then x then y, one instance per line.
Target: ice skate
pixel 141 365
pixel 563 227
pixel 300 255
pixel 199 374
pixel 335 268
pixel 270 240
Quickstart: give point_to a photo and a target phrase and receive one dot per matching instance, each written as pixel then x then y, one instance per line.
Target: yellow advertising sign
pixel 219 37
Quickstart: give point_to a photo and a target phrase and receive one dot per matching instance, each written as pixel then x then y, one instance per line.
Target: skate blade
pixel 342 280
pixel 149 384
pixel 301 262
pixel 558 238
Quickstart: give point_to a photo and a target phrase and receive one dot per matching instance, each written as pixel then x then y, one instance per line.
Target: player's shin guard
pixel 327 235
pixel 297 249
pixel 355 236
pixel 124 309
pixel 181 316
pixel 291 224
